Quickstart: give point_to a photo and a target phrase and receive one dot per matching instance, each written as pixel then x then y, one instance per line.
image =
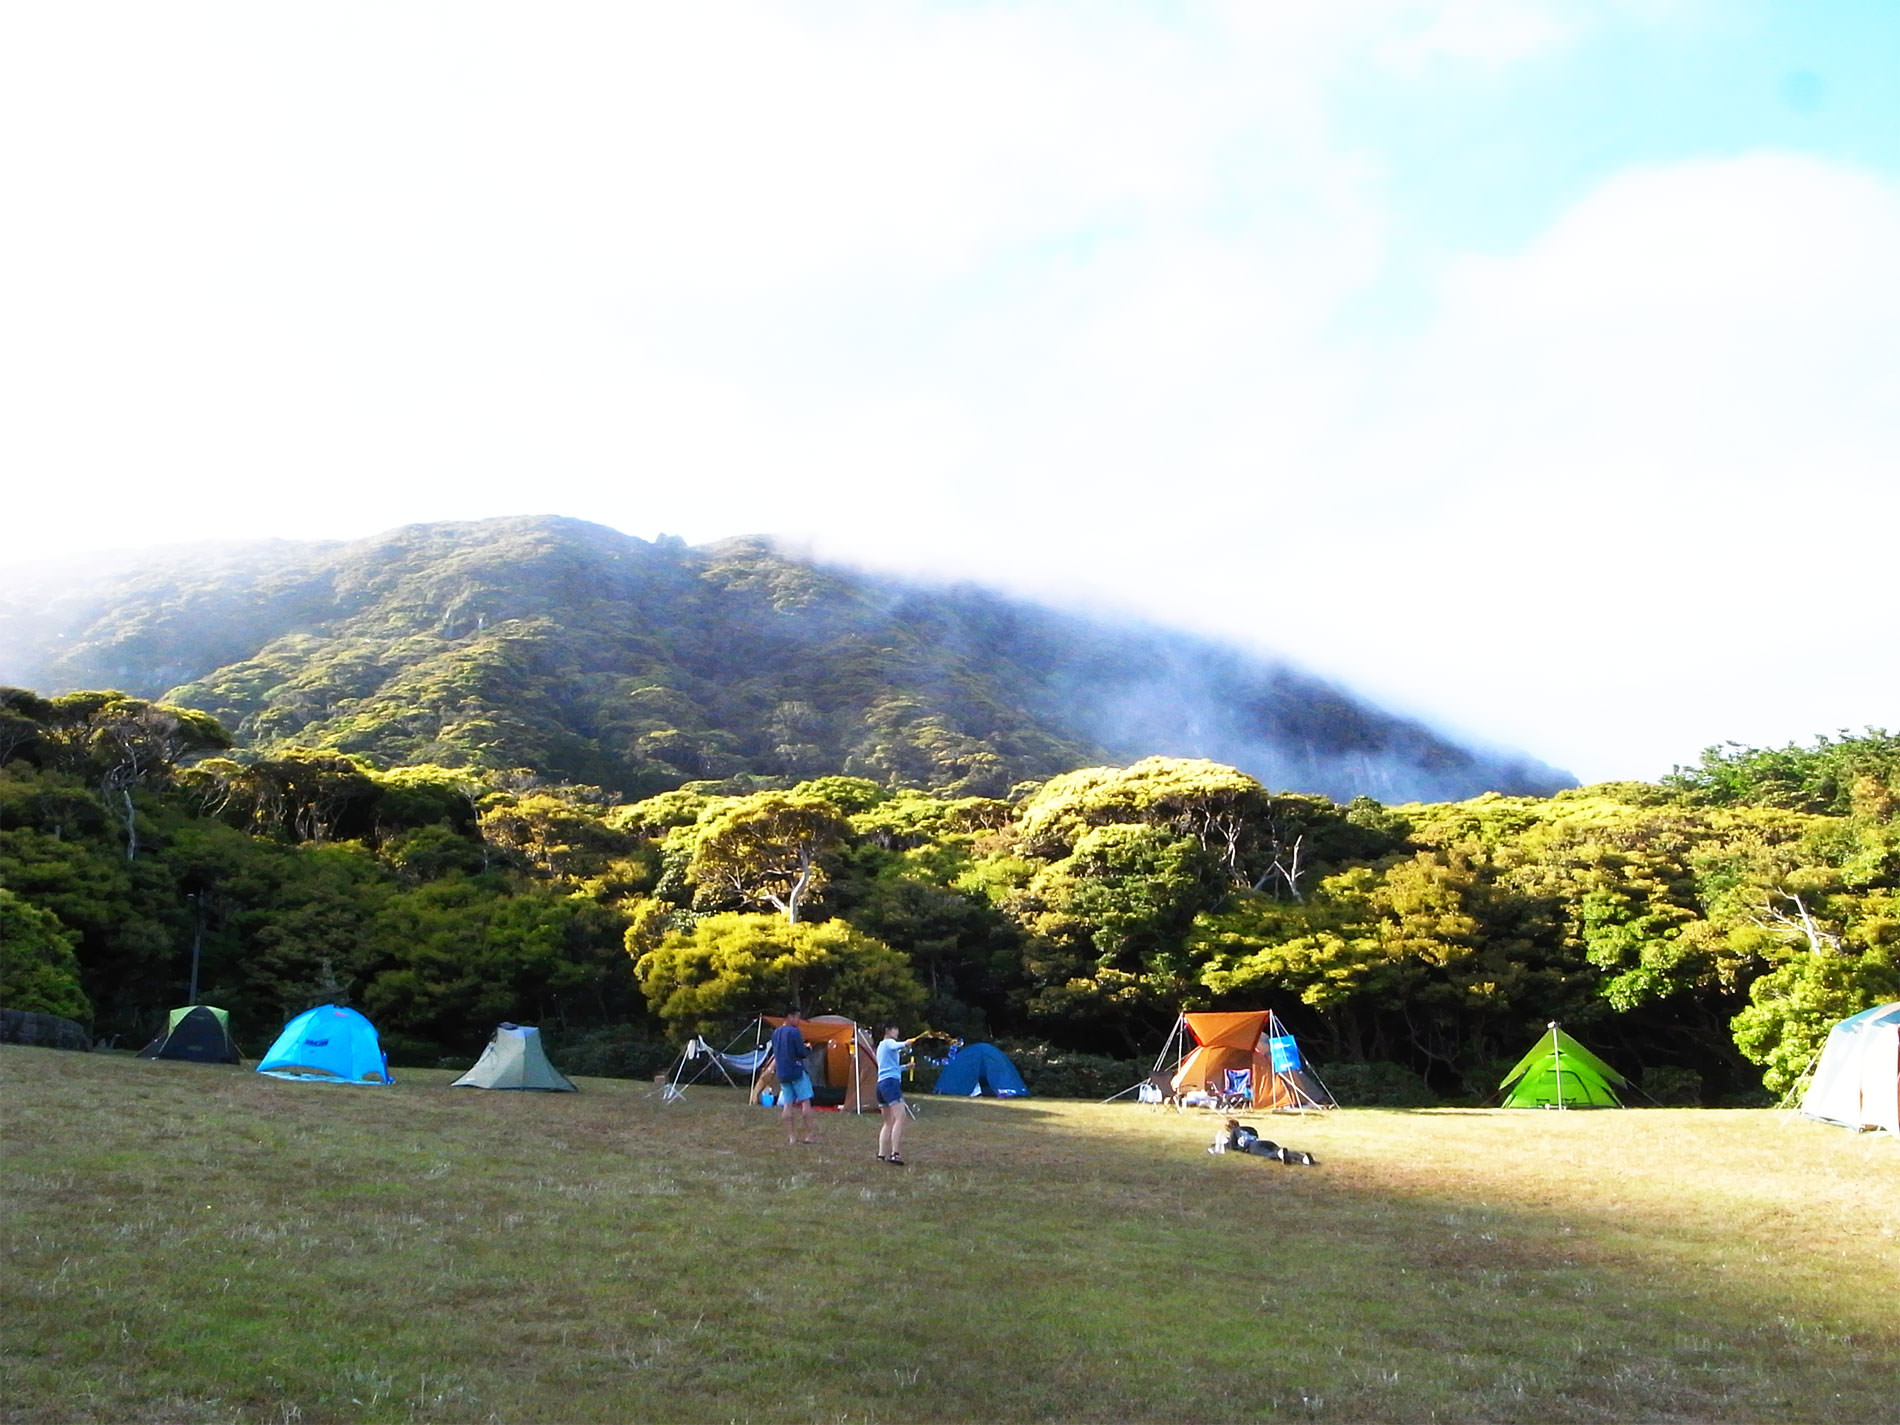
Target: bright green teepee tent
pixel 1560 1073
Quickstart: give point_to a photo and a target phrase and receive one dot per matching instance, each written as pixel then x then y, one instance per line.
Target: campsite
pixel 200 1243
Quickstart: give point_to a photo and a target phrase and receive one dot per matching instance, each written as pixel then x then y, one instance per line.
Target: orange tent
pixel 1245 1040
pixel 840 1077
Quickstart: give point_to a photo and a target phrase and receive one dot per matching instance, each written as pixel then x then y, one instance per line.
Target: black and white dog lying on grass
pixel 1234 1136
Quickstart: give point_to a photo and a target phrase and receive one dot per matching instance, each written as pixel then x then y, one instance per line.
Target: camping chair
pixel 1238 1090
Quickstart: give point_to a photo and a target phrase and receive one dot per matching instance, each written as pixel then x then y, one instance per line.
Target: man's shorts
pixel 890 1091
pixel 796 1090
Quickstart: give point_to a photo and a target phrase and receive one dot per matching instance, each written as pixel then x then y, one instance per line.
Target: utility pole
pixel 197 900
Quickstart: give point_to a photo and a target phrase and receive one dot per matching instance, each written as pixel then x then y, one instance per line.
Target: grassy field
pixel 190 1244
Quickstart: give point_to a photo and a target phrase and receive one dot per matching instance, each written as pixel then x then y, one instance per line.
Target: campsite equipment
pixel 843 1067
pixel 1268 1069
pixel 329 1044
pixel 1857 1082
pixel 699 1059
pixel 1560 1073
pixel 200 1033
pixel 515 1059
pixel 977 1069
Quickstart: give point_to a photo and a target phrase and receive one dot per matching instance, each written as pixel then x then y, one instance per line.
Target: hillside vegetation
pixel 1701 934
pixel 590 657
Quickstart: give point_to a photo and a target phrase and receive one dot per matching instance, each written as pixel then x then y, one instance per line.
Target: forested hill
pixel 593 657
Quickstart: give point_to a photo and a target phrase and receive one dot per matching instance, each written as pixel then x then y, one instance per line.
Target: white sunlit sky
pixel 1530 368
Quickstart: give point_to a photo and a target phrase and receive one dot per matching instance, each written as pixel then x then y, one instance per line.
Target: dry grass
pixel 204 1245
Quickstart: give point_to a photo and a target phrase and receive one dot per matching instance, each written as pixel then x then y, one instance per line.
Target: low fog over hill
pixel 591 656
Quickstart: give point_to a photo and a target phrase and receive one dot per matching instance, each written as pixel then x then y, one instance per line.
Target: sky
pixel 1533 369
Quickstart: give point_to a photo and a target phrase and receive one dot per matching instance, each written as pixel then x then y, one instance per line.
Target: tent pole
pixel 1274 1029
pixel 1801 1079
pixel 758 1065
pixel 1173 1035
pixel 1557 1058
pixel 1174 1039
pixel 673 1092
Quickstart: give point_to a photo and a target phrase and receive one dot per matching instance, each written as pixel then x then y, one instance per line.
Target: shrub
pixel 1049 1072
pixel 1673 1088
pixel 616 1051
pixel 1378 1085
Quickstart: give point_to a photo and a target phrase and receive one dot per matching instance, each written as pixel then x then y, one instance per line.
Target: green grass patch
pixel 198 1244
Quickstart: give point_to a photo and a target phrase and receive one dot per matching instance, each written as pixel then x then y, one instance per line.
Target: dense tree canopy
pixel 1708 929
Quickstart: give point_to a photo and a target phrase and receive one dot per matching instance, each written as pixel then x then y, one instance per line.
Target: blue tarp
pixel 1286 1054
pixel 981 1068
pixel 329 1043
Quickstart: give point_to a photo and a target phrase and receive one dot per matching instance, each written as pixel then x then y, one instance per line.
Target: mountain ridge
pixel 583 653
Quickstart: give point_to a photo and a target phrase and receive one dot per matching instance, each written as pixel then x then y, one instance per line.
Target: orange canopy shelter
pixel 1251 1042
pixel 842 1062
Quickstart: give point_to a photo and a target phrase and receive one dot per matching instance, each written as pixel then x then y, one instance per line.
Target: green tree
pixel 456 956
pixel 38 970
pixel 24 715
pixel 1106 924
pixel 765 849
pixel 1791 1009
pixel 730 966
pixel 557 837
pixel 1836 776
pixel 123 743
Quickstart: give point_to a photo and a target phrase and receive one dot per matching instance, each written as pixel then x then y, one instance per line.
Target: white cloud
pixel 1662 438
pixel 1491 32
pixel 1044 294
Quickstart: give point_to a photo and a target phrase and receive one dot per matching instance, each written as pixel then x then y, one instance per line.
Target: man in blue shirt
pixel 794 1083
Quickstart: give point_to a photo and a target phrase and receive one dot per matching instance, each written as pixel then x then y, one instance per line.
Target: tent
pixel 1857 1082
pixel 1253 1047
pixel 330 1044
pixel 980 1069
pixel 514 1059
pixel 200 1033
pixel 843 1064
pixel 1560 1073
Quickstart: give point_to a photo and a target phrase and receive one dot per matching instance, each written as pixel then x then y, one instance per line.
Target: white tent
pixel 1857 1082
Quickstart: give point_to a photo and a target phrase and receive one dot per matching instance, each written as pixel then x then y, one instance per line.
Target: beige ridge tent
pixel 843 1063
pixel 514 1059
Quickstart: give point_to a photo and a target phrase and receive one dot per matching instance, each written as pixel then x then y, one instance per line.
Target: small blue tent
pixel 331 1044
pixel 981 1069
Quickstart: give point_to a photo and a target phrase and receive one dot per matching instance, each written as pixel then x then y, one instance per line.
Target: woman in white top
pixel 891 1053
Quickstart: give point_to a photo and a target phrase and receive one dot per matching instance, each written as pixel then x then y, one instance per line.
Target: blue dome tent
pixel 981 1069
pixel 330 1044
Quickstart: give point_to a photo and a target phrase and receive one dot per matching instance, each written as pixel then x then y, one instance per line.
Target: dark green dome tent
pixel 1560 1073
pixel 514 1059
pixel 200 1033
